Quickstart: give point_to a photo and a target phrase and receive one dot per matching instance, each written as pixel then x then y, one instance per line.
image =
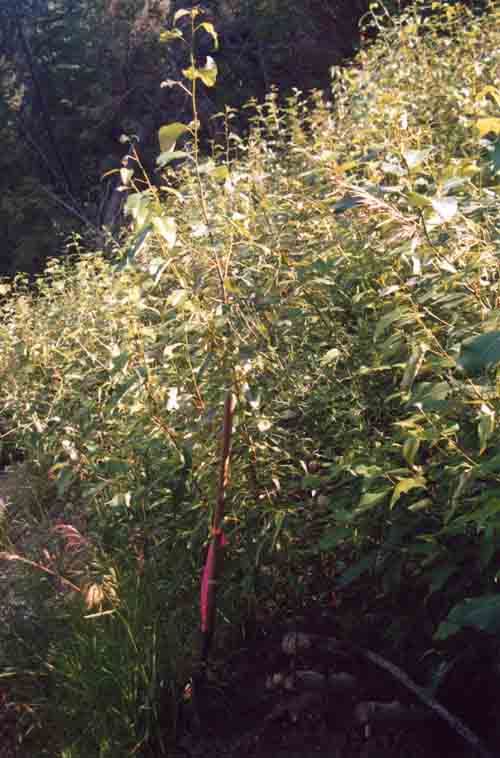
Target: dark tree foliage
pixel 76 74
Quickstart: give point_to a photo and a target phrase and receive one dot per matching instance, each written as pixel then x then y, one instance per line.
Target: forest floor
pixel 295 690
pixel 302 694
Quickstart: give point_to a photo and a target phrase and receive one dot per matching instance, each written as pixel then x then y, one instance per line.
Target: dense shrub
pixel 337 271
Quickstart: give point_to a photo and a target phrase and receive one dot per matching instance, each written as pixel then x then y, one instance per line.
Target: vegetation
pixel 76 74
pixel 338 271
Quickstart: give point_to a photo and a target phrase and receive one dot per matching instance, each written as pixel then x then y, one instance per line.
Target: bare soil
pixel 320 697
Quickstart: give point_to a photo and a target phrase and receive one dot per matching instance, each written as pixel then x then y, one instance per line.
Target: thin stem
pixel 40 567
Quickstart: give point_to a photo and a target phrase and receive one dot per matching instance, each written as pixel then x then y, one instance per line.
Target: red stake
pixel 209 578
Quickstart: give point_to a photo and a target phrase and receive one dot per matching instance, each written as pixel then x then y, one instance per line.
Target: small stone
pixel 294 642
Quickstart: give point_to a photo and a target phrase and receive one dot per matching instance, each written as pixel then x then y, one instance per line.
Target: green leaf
pixel 403 315
pixel 430 397
pixel 494 158
pixel 440 575
pixel 170 155
pixel 491 466
pixel 330 356
pixel 116 467
pixel 488 549
pixel 421 505
pixel 482 613
pixel 334 537
pixel 209 28
pixel 138 206
pixel 416 200
pixel 169 134
pixel 479 353
pixel 171 34
pixel 120 361
pixel 177 297
pixel 446 629
pixel 167 228
pixel 413 366
pixel 371 499
pixel 220 173
pixel 207 74
pixel 64 481
pixel 347 202
pixel 354 572
pixel 121 391
pixel 410 450
pixel 135 247
pixel 404 486
pixel 181 13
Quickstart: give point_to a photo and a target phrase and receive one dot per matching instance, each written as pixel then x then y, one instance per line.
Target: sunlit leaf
pixel 181 13
pixel 177 297
pixel 264 424
pixel 485 427
pixel 220 173
pixel 414 158
pixel 169 134
pixel 396 169
pixel 138 206
pixel 166 226
pixel 126 175
pixel 170 34
pixel 209 28
pixel 488 126
pixel 404 486
pixel 445 207
pixel 173 399
pixel 207 74
pixel 330 357
pixel 170 155
pixel 420 505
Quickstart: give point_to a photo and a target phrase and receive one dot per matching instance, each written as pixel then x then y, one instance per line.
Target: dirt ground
pixel 302 695
pixel 295 690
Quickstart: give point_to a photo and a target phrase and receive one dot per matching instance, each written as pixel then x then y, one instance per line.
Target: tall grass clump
pixel 338 271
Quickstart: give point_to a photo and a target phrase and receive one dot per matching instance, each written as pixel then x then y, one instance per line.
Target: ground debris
pixel 304 695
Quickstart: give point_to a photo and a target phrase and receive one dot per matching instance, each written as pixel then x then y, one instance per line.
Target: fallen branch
pixel 294 642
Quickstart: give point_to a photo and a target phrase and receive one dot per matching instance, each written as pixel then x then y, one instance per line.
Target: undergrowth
pixel 338 271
